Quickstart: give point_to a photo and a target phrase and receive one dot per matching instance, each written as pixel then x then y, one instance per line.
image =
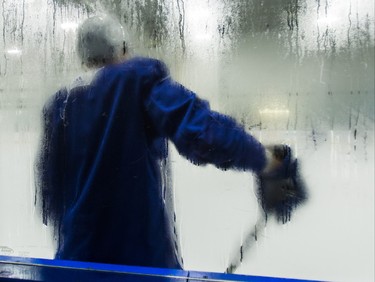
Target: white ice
pixel 330 238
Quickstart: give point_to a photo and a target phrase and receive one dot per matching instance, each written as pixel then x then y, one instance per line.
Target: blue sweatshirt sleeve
pixel 201 135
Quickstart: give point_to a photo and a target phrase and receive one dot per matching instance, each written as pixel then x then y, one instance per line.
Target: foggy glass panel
pixel 299 72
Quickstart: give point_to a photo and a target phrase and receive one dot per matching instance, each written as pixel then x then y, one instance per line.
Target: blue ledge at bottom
pixel 45 270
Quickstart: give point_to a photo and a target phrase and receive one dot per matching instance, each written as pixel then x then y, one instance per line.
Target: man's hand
pixel 280 189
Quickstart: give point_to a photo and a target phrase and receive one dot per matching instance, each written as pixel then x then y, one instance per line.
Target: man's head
pixel 100 41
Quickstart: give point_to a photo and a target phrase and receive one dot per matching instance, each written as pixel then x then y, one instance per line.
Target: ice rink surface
pixel 330 238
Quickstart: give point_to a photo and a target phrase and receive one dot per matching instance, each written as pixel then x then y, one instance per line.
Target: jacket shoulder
pixel 55 101
pixel 148 67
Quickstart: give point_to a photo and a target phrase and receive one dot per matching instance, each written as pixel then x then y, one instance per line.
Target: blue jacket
pixel 102 167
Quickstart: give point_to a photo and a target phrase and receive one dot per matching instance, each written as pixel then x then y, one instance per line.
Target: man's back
pixel 100 167
pixel 101 170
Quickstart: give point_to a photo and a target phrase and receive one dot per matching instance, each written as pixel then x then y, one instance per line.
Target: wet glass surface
pixel 299 72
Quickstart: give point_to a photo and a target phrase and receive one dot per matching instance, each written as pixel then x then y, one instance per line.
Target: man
pixel 104 144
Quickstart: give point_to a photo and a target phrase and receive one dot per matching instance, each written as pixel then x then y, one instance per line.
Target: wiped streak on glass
pixel 181 22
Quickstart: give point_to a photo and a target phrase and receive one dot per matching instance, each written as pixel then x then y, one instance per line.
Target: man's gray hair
pixel 100 41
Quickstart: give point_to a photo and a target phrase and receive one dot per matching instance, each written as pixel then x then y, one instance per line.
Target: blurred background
pixel 299 72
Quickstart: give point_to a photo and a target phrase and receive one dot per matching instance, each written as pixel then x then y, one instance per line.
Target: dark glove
pixel 280 188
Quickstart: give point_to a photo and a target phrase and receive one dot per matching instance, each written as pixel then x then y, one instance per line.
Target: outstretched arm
pixel 200 134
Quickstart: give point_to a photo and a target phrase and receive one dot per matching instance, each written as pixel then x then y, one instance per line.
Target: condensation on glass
pixel 294 71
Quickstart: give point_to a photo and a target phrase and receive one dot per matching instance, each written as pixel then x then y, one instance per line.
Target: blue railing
pixel 34 269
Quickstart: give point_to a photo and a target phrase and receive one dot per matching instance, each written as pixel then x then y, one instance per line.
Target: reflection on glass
pixel 299 72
